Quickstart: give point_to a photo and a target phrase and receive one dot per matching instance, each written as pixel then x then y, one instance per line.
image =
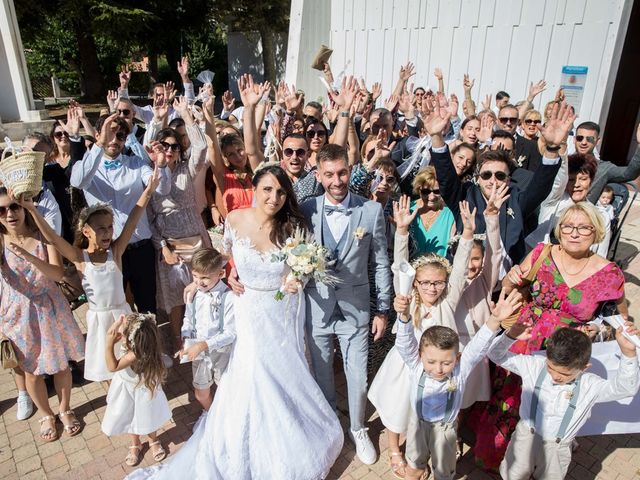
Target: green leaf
pixel 574 296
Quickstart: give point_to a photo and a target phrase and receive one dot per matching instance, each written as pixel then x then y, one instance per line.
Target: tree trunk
pixel 268 54
pixel 91 80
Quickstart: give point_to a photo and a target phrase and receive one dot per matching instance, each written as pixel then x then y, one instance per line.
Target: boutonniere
pixel 510 212
pixel 568 394
pixel 451 385
pixel 359 233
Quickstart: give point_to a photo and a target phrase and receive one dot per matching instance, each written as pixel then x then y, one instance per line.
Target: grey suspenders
pixel 568 414
pixel 447 409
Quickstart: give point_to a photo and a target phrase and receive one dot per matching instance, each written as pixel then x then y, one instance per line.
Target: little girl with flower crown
pixel 98 258
pixel 136 403
pixel 436 292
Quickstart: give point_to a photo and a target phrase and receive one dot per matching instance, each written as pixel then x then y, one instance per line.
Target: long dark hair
pixel 289 216
pixel 169 132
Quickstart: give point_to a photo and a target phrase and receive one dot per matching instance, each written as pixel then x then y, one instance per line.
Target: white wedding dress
pixel 269 418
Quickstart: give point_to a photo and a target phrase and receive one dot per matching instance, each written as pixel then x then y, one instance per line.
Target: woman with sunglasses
pixel 175 215
pixel 570 285
pixel 529 126
pixel 36 317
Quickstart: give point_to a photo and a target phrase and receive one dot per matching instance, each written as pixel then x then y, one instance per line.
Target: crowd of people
pixel 172 211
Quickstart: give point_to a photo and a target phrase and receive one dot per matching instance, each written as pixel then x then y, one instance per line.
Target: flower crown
pixel 86 212
pixel 432 259
pixel 476 236
pixel 135 322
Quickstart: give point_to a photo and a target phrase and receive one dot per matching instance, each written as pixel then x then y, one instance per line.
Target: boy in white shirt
pixel 557 397
pixel 439 373
pixel 209 320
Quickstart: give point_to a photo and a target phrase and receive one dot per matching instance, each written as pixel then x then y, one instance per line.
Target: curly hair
pixel 141 337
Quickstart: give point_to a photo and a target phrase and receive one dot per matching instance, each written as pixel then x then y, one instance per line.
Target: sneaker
pixel 364 447
pixel 25 407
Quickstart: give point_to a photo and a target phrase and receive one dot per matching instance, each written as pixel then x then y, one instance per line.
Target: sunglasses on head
pixel 14 207
pixel 170 146
pixel 124 111
pixel 508 119
pixel 59 134
pixel 531 121
pixel 313 133
pixel 300 152
pixel 487 174
pixel 588 138
pixel 429 191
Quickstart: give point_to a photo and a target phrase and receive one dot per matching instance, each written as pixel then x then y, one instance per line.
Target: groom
pixel 352 229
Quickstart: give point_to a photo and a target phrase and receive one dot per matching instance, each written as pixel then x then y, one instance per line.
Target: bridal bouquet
pixel 306 258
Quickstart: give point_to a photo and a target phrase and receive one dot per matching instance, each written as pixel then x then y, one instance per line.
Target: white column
pixel 16 98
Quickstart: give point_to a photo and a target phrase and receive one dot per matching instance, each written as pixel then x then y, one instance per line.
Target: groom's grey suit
pixel 343 310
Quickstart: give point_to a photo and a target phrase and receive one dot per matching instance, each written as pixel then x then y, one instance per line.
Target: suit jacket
pixel 520 204
pixel 610 173
pixel 352 293
pixel 528 149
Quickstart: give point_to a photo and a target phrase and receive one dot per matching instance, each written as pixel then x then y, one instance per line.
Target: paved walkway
pixel 92 455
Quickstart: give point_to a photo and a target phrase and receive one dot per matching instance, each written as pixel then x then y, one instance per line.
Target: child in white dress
pixel 98 258
pixel 208 328
pixel 136 403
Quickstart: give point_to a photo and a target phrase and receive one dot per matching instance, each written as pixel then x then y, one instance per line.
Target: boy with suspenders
pixel 557 397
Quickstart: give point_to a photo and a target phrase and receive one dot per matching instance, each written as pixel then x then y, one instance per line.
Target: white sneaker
pixel 364 447
pixel 25 407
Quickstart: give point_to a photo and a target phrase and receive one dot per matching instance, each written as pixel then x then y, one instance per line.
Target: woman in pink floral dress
pixel 570 285
pixel 35 316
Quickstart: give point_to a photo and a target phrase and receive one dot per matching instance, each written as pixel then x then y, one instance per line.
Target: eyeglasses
pixel 508 119
pixel 428 191
pixel 121 136
pixel 583 230
pixel 59 134
pixel 125 112
pixel 14 207
pixel 300 152
pixel 170 146
pixel 487 174
pixel 531 121
pixel 313 133
pixel 438 284
pixel 589 138
pixel 390 180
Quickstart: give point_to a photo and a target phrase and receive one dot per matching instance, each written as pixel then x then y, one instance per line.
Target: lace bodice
pixel 257 270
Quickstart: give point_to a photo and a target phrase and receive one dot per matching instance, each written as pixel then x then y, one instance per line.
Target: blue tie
pixel 329 209
pixel 112 164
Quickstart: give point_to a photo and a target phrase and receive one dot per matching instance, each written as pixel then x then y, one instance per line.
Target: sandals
pixel 398 468
pixel 48 433
pixel 133 457
pixel 159 453
pixel 73 427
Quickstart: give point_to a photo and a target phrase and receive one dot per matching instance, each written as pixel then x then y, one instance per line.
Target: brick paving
pixel 92 455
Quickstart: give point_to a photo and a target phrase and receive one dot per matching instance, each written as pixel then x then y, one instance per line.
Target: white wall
pixel 503 44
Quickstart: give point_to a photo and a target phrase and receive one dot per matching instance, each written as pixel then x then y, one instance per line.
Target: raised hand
pixel 557 129
pixel 292 99
pixel 183 69
pixel 468 219
pixel 401 304
pixel 249 94
pixel 181 105
pixel 506 306
pixel 156 153
pixel 402 214
pixel 72 125
pixel 453 105
pixel 160 109
pixel 114 332
pixel 228 102
pixel 406 104
pixel 437 72
pixel 112 100
pixel 467 83
pixel 498 196
pixel 154 179
pixel 519 331
pixel 376 91
pixel 347 95
pixel 486 103
pixel 108 131
pixel 125 77
pixel 407 71
pixel 170 91
pixel 391 103
pixel 536 89
pixel 486 128
pixel 438 120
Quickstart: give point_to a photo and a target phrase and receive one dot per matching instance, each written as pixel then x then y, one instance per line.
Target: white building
pixel 502 44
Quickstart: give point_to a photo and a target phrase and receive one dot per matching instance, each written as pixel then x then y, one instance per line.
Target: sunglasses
pixel 313 133
pixel 300 152
pixel 508 119
pixel 170 146
pixel 124 112
pixel 58 135
pixel 121 136
pixel 428 191
pixel 14 207
pixel 487 174
pixel 589 138
pixel 583 230
pixel 531 121
pixel 390 180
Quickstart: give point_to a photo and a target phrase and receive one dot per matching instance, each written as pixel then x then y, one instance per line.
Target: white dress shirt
pixel 50 210
pixel 146 113
pixel 202 318
pixel 553 399
pixel 338 221
pixel 435 393
pixel 121 187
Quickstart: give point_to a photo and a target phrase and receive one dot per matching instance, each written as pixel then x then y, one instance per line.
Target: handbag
pixel 185 247
pixel 71 286
pixel 8 355
pixel 524 289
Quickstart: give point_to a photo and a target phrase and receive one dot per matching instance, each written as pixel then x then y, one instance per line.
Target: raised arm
pixel 114 336
pixel 343 101
pixel 187 84
pixel 440 78
pixel 83 172
pixel 468 105
pixel 214 153
pixel 493 246
pixel 406 342
pixel 458 277
pixel 51 269
pixel 535 89
pixel 198 156
pixel 251 93
pixel 406 72
pixel 402 217
pixel 626 381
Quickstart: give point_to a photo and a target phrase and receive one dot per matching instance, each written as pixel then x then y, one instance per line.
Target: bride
pixel 269 418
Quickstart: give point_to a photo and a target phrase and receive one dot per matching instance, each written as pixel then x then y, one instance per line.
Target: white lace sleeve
pixel 227 239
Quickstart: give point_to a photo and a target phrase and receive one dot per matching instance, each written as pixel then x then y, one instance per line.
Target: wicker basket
pixel 22 172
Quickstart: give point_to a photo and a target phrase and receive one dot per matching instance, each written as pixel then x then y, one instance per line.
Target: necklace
pixel 429 218
pixel 565 268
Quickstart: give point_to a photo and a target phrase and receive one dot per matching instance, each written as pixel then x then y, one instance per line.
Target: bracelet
pixel 344 114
